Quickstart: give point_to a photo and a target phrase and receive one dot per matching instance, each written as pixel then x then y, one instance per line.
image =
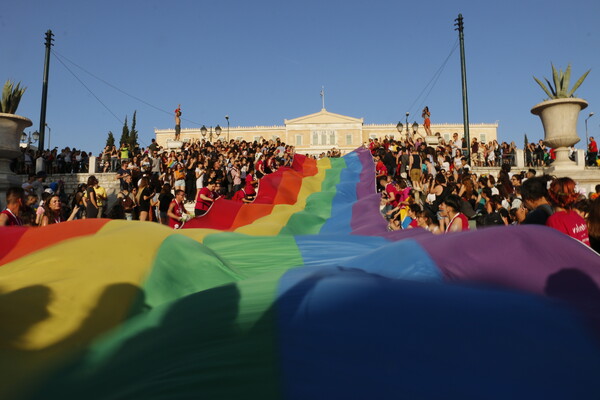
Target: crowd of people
pixel 156 184
pixel 436 189
pixel 432 187
pixel 55 161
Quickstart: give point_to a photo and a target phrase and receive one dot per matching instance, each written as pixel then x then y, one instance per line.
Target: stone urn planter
pixel 559 119
pixel 11 128
pixel 559 115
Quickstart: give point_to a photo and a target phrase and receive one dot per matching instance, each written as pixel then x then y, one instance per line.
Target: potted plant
pixel 11 128
pixel 559 113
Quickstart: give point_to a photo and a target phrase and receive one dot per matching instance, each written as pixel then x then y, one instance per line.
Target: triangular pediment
pixel 324 117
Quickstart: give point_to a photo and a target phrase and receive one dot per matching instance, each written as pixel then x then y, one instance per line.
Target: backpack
pixel 127 203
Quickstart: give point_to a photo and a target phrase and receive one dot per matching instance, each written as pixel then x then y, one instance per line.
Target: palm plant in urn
pixel 560 112
pixel 11 129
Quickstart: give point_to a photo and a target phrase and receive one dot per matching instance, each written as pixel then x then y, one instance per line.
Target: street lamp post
pixel 30 137
pixel 586 136
pixel 49 132
pixel 204 131
pixel 400 127
pixel 415 126
pixel 227 118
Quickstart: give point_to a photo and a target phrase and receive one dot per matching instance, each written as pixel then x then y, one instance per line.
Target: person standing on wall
pixel 592 154
pixel 426 120
pixel 178 122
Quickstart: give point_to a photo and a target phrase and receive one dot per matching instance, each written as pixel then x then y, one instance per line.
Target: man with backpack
pixel 127 202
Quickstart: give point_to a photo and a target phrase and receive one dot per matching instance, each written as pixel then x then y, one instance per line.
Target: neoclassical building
pixel 319 132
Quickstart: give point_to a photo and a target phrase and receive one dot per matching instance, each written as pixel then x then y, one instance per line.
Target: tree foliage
pixel 124 133
pixel 133 133
pixel 110 140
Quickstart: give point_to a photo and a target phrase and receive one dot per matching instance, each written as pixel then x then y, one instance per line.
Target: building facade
pixel 319 132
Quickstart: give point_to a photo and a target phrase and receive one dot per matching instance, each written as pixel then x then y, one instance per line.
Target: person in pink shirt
pixel 563 196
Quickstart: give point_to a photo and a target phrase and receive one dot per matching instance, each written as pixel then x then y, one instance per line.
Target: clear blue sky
pixel 263 61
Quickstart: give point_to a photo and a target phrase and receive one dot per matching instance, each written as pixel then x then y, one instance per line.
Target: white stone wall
pixel 108 181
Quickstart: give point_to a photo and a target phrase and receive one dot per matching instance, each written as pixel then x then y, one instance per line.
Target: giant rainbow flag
pixel 302 294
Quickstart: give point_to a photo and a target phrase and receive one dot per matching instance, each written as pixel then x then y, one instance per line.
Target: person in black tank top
pixel 415 167
pixel 91 208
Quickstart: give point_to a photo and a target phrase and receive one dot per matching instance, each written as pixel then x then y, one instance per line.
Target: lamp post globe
pixel 415 127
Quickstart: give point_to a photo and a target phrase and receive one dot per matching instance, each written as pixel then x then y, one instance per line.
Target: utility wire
pixel 433 79
pixel 89 90
pixel 96 97
pixel 119 89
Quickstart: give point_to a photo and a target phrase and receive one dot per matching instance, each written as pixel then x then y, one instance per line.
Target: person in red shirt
pixel 251 182
pixel 271 164
pixel 259 166
pixel 242 197
pixel 450 208
pixel 177 210
pixel 371 146
pixel 563 196
pixel 205 199
pixel 380 168
pixel 393 193
pixel 592 154
pixel 14 204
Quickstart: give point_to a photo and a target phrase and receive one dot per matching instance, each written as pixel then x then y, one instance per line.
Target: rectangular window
pixel 349 139
pixel 446 137
pixel 482 138
pixel 298 140
pixel 323 138
pixel 256 139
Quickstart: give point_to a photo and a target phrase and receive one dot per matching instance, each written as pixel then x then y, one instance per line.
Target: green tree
pixel 110 141
pixel 133 133
pixel 125 133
